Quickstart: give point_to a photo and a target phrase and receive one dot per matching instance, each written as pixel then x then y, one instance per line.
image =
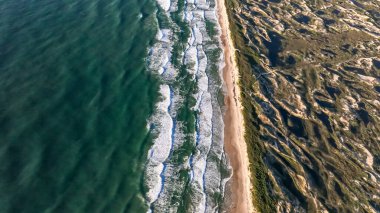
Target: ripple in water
pixel 74 100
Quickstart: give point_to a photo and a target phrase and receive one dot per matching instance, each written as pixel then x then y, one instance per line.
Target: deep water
pixel 75 96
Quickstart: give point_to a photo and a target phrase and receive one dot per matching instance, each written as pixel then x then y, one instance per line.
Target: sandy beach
pixel 238 187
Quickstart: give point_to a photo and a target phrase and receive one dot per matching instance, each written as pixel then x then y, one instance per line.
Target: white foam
pixel 165 35
pixel 204 107
pixel 161 148
pixel 192 58
pixel 211 16
pixel 160 53
pixel 164 4
pixel 205 177
pixel 198 35
pixel 203 147
pixel 153 180
pixel 202 4
pixel 202 66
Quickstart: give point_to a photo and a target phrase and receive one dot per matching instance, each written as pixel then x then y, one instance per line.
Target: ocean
pixel 111 106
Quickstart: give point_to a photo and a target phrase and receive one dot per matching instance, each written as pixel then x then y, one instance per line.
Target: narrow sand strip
pixel 235 146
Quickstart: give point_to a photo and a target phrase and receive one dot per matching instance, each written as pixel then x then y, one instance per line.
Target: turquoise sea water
pixel 75 95
pixel 110 106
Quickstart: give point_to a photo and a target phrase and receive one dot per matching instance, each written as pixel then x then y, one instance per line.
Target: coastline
pixel 240 199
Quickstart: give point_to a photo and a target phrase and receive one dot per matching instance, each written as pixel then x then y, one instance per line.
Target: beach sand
pixel 238 193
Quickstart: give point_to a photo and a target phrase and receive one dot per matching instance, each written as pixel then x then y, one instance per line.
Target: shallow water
pixel 187 169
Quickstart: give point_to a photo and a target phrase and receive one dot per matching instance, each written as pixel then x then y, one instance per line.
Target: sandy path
pixel 240 199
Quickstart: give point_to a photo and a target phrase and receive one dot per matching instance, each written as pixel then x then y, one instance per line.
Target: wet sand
pixel 238 192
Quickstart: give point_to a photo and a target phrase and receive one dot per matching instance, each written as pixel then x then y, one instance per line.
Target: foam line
pixel 161 148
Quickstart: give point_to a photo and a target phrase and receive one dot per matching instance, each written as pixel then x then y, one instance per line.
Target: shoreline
pixel 234 143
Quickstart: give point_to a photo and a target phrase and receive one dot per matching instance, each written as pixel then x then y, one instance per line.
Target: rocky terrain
pixel 310 75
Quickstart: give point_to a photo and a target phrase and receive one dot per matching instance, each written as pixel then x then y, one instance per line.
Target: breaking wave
pixel 186 168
